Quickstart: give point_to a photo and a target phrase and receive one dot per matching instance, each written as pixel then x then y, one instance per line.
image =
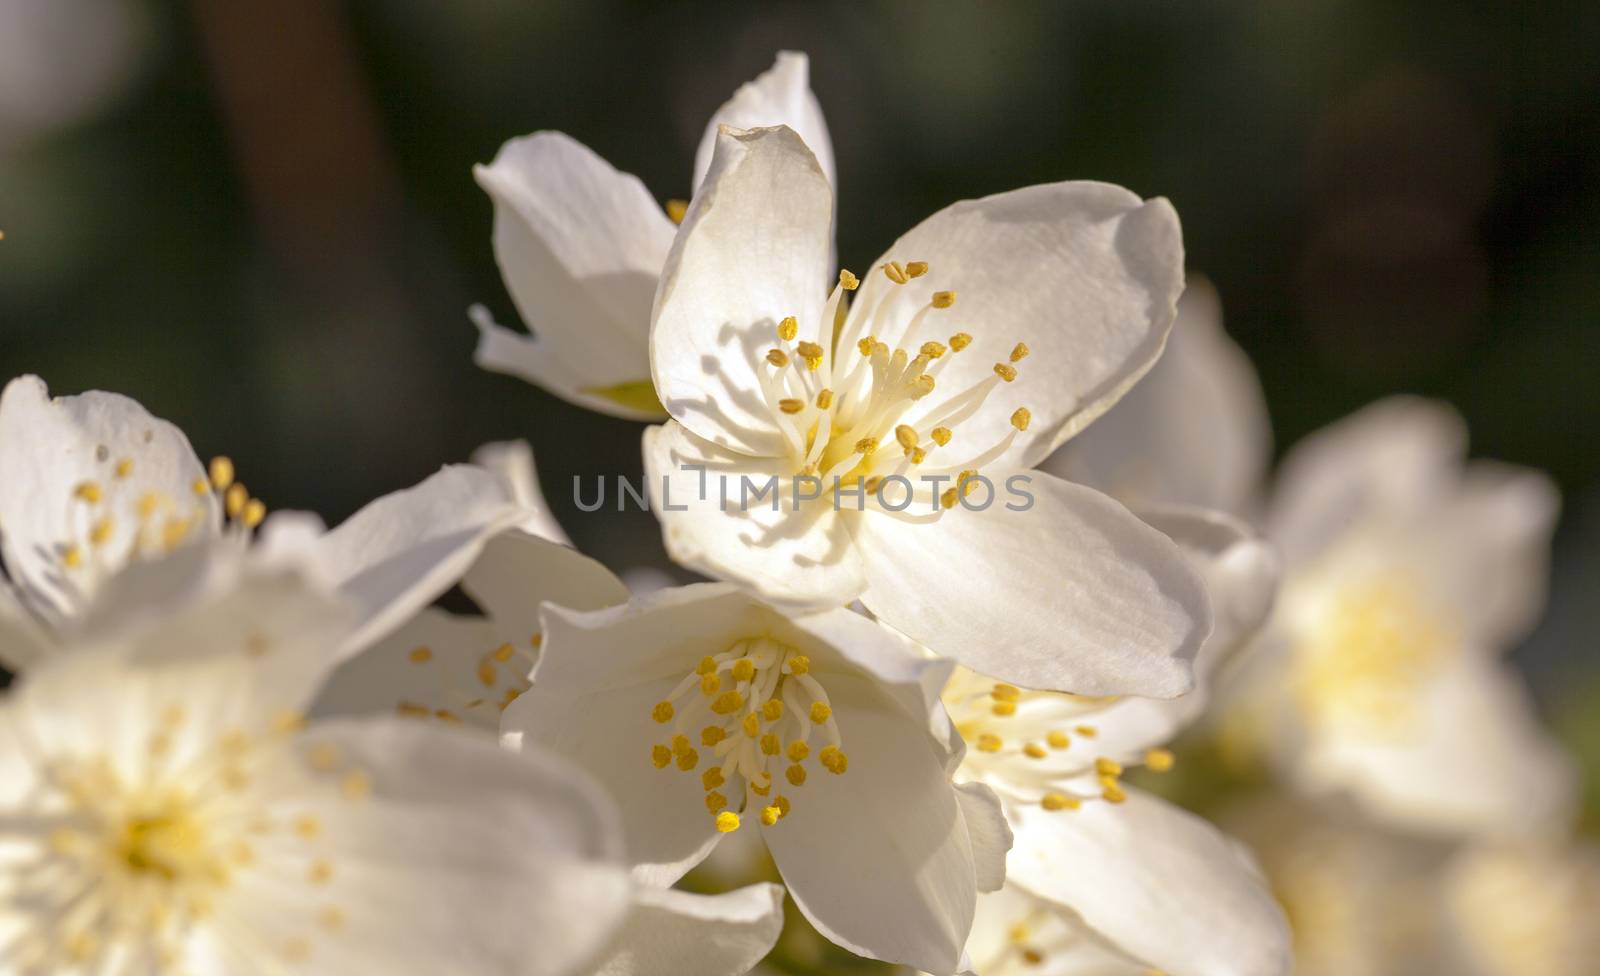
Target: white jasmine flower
pixel 1525 910
pixel 1066 297
pixel 164 808
pixel 705 712
pixel 581 245
pixel 1104 870
pixel 94 483
pixel 1194 431
pixel 1408 572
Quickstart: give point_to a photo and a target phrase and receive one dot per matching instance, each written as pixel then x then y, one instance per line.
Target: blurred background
pixel 259 219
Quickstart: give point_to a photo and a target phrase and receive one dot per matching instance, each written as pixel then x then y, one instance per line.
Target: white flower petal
pixel 51 447
pixel 991 835
pixel 464 858
pixel 1194 431
pixel 598 676
pixel 1062 944
pixel 23 642
pixel 677 933
pixel 1477 761
pixel 398 553
pixel 880 858
pixel 1074 594
pixel 802 560
pixel 1086 274
pixel 517 572
pixel 513 462
pixel 753 249
pixel 1164 885
pixel 781 95
pixel 1397 455
pixel 580 247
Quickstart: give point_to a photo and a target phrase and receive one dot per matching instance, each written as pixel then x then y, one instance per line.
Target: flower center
pixel 1365 659
pixel 1038 747
pixel 477 686
pixel 755 706
pixel 859 408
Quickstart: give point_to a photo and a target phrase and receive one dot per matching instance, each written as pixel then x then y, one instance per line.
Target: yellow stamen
pixel 960 341
pixel 221 473
pixel 848 281
pixel 1004 709
pixel 688 760
pixel 1059 801
pixel 100 533
pixel 715 801
pixel 941 435
pixel 990 743
pixel 916 269
pixel 820 712
pixel 778 358
pixel 798 751
pixel 1107 767
pixel 796 775
pixel 824 399
pixel 866 445
pixel 88 491
pixel 791 406
pixel 1005 371
pixel 1058 740
pixel 727 822
pixel 236 498
pixel 1034 750
pixel 895 273
pixel 124 468
pixel 772 709
pixel 1021 418
pixel 710 684
pixel 662 713
pixel 1159 760
pixel 788 329
pixel 943 299
pixel 1019 352
pixel 677 210
pixel 799 664
pixel 833 759
pixel 751 725
pixel 770 815
pixel 712 778
pixel 420 655
pixel 770 746
pixel 727 703
pixel 255 512
pixel 712 734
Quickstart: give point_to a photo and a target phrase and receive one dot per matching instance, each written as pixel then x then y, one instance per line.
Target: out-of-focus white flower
pixel 1408 572
pixel 1105 874
pixel 61 61
pixel 1194 431
pixel 1068 289
pixel 704 712
pixel 1524 910
pixel 581 246
pixel 94 483
pixel 165 808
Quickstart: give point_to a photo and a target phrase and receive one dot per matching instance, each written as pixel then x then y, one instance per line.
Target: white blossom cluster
pixel 241 743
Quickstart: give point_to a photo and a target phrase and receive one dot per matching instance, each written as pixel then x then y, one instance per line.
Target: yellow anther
pixel 1159 760
pixel 918 455
pixel 1004 709
pixel 833 759
pixel 688 760
pixel 820 712
pixel 798 751
pixel 221 473
pixel 796 775
pixel 788 328
pixel 707 665
pixel 1087 731
pixel 933 350
pixel 88 491
pixel 867 345
pixel 824 399
pixel 960 341
pixel 356 785
pixel 1018 932
pixel 712 734
pixel 710 684
pixel 715 801
pixel 921 386
pixel 1034 750
pixel 907 436
pixel 1021 418
pixel 1032 956
pixel 751 724
pixel 763 787
pixel 810 352
pixel 255 512
pixel 782 803
pixel 916 269
pixel 1005 692
pixel 770 815
pixel 1005 371
pixel 124 468
pixel 943 299
pixel 778 358
pixel 848 281
pixel 487 673
pixel 503 653
pixel 790 405
pixel 1107 767
pixel 941 435
pixel 895 273
pixel 323 757
pixel 872 484
pixel 1058 739
pixel 967 481
pixel 727 822
pixel 1019 352
pixel 420 655
pixel 798 664
pixel 320 872
pixel 770 746
pixel 660 755
pixel 680 745
pixel 677 210
pixel 990 743
pixel 234 501
pixel 948 498
pixel 866 445
pixel 100 533
pixel 743 669
pixel 712 778
pixel 200 486
pixel 662 713
pixel 1113 793
pixel 307 826
pixel 332 918
pixel 727 703
pixel 772 709
pixel 1059 801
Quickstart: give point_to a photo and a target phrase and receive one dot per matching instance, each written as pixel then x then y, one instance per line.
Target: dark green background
pixel 272 235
